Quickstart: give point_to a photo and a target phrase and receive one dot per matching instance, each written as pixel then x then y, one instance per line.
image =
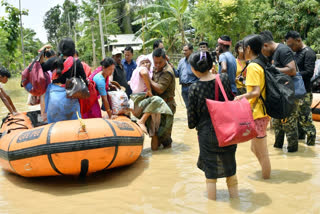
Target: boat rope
pixel 82 124
pixel 15 121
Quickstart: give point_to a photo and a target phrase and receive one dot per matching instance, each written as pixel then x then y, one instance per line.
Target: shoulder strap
pixel 37 59
pixel 216 90
pixel 260 62
pixel 243 69
pixel 221 88
pixel 295 62
pixel 74 67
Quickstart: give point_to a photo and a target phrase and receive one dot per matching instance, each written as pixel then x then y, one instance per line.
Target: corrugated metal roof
pixel 124 39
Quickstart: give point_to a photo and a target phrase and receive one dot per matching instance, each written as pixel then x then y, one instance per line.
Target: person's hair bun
pixel 201 61
pixel 203 65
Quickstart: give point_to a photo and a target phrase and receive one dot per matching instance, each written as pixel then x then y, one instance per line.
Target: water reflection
pixel 279 176
pixel 62 186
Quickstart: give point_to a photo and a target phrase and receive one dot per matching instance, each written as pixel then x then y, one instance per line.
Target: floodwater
pixel 168 181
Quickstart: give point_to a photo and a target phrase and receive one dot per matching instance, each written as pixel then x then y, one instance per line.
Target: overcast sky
pixel 37 10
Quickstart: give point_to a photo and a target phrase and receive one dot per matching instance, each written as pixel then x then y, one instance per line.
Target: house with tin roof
pixel 121 41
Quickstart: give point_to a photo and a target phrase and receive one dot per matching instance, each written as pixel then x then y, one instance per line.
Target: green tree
pixel 3 49
pixel 213 18
pixel 61 22
pixel 10 25
pixel 90 26
pixel 164 19
pixel 302 16
pixel 52 23
pixel 69 18
pixel 31 44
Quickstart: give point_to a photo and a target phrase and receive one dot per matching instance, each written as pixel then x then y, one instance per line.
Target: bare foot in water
pixel 142 126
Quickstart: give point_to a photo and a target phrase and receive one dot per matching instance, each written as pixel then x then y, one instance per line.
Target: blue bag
pixel 299 88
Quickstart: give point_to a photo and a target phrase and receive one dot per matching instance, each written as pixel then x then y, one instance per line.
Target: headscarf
pixel 224 42
pixel 142 58
pixel 136 82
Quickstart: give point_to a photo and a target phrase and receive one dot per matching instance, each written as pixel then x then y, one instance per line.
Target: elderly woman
pixel 145 104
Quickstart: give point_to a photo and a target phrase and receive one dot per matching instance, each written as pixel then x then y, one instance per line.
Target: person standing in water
pixel 4 76
pixel 163 85
pixel 216 162
pixel 227 62
pixel 255 84
pixel 186 77
pixel 305 59
pixel 281 57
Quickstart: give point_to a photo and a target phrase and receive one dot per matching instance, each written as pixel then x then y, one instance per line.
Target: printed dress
pixel 215 161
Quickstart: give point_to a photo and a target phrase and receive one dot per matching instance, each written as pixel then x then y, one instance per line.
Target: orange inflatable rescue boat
pixel 74 147
pixel 315 106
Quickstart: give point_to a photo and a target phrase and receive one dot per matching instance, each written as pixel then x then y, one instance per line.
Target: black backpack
pixel 279 102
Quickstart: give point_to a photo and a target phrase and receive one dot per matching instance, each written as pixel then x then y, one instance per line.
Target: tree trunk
pixel 126 21
pixel 182 31
pixel 93 46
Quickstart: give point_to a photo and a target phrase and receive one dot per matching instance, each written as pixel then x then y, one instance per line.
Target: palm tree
pixel 163 17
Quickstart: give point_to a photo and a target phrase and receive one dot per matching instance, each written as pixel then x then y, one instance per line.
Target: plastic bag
pixel 119 102
pixel 33 100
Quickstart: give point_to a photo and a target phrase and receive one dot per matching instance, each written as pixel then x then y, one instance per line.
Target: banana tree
pixel 164 17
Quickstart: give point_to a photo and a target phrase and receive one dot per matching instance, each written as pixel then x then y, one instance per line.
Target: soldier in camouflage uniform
pixel 305 59
pixel 305 119
pixel 288 126
pixel 282 58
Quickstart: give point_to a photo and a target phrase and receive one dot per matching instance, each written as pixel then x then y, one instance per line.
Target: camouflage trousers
pixel 288 127
pixel 166 139
pixel 305 122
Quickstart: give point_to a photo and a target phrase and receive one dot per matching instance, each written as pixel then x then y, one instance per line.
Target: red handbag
pixel 232 120
pixel 87 103
pixel 34 79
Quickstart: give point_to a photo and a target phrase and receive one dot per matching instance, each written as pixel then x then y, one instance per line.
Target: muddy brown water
pixel 168 181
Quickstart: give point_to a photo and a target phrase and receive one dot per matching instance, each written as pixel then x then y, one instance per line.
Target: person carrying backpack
pixel 282 59
pixel 255 86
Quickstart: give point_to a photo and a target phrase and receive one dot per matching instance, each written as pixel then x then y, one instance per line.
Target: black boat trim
pixel 316 111
pixel 115 149
pixel 15 136
pixel 71 146
pixel 49 155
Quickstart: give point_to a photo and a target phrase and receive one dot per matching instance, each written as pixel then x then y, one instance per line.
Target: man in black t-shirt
pixel 305 58
pixel 282 58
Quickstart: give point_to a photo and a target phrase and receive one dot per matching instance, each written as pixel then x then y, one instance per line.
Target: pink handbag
pixel 34 79
pixel 232 120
